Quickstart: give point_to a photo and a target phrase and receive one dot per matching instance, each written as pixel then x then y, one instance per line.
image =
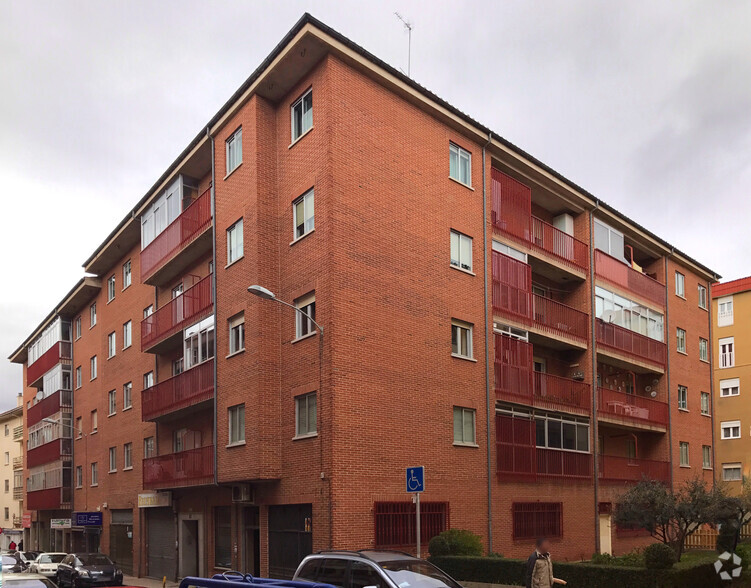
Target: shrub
pixel 456 542
pixel 602 559
pixel 744 551
pixel 659 556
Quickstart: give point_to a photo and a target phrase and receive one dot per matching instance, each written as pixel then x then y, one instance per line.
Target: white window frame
pixel 236 425
pixel 127 395
pixel 234 150
pixel 680 285
pixel 730 430
pixel 77 327
pixel 725 310
pixel 127 274
pixel 682 397
pixel 111 402
pixel 237 333
pixel 111 345
pixel 303 408
pixel 113 460
pixel 94 420
pixel 306 224
pixel 199 343
pixel 148 311
pixel 726 347
pixel 459 329
pixel 79 377
pixel 92 367
pixel 703 349
pixel 680 340
pixel 92 315
pixel 148 380
pixel 235 242
pixel 684 445
pixel 702 291
pixel 706 457
pixel 461 251
pixel 706 403
pixel 732 466
pixel 306 115
pixel 149 447
pixel 128 456
pixel 732 386
pixel 615 238
pixel 94 473
pixel 111 285
pixel 79 476
pixel 127 334
pixel 458 155
pixel 460 426
pixel 304 327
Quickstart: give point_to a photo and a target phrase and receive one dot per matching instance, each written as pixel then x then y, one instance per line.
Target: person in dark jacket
pixel 539 572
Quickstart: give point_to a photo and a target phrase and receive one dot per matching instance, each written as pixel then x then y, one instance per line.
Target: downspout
pixel 667 355
pixel 593 347
pixel 711 373
pixel 213 289
pixel 488 331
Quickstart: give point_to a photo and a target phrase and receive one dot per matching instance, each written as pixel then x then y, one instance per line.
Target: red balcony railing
pixel 631 407
pixel 48 499
pixel 48 406
pixel 557 318
pixel 626 469
pixel 630 343
pixel 178 392
pixel 185 229
pixel 194 467
pixel 563 246
pixel 619 274
pixel 48 360
pixel 49 452
pixel 191 306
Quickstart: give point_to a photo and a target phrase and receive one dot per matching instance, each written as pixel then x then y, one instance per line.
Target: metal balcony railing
pixel 194 467
pixel 18 462
pixel 18 433
pixel 630 343
pixel 178 392
pixel 48 360
pixel 632 408
pixel 49 452
pixel 48 499
pixel 628 469
pixel 52 404
pixel 623 276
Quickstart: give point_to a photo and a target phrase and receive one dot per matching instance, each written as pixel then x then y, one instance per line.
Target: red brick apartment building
pixel 534 349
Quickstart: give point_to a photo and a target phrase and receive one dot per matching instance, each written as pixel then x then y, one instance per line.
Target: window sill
pixel 111 356
pixel 707 469
pixel 234 261
pixel 306 436
pixel 296 141
pixel 126 287
pixel 706 414
pixel 235 444
pixel 127 408
pixel 128 469
pixel 682 297
pixel 308 336
pixel 685 467
pixel 461 269
pixel 112 472
pixel 471 445
pixel 94 432
pixel 464 357
pixel 681 352
pixel 79 487
pixel 301 237
pixel 94 485
pixel 127 347
pixel 234 169
pixel 111 414
pixel 683 410
pixel 704 308
pixel 462 183
pixel 234 353
pixel 92 379
pixel 703 360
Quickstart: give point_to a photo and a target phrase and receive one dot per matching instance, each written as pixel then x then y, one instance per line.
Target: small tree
pixel 669 517
pixel 732 513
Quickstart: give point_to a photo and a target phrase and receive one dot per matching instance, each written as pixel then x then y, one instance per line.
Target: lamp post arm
pixel 305 314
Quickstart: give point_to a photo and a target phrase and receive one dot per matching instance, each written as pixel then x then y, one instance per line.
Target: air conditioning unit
pixel 242 493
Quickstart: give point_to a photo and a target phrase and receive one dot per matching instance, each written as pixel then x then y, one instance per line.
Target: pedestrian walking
pixel 12 546
pixel 540 567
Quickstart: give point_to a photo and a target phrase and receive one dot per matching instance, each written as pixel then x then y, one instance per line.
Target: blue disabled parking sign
pixel 416 479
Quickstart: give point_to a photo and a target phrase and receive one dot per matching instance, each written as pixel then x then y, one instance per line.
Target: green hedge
pixel 511 571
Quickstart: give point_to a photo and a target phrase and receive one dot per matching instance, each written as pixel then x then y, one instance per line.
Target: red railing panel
pixel 193 221
pixel 193 467
pixel 512 286
pixel 631 407
pixel 626 469
pixel 46 407
pixel 191 306
pixel 619 274
pixel 186 389
pixel 48 360
pixel 630 343
pixel 49 452
pixel 47 499
pixel 557 318
pixel 554 392
pixel 561 245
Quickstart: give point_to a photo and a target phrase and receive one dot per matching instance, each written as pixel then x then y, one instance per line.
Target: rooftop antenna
pixel 408 26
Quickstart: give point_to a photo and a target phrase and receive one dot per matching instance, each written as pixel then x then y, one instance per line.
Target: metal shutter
pixel 162 553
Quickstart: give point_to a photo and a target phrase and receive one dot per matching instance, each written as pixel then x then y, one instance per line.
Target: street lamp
pixel 266 294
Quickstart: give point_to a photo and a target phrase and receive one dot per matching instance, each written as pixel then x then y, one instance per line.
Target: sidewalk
pixel 147 582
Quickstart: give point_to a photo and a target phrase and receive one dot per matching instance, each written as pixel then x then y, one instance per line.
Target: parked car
pixel 12 562
pixel 382 569
pixel 27 581
pixel 30 555
pixel 88 569
pixel 46 564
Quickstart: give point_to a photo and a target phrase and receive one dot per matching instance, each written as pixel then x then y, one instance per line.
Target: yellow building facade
pixel 11 476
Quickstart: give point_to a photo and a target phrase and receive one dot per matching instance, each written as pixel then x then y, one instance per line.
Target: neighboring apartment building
pixel 11 494
pixel 533 348
pixel 731 347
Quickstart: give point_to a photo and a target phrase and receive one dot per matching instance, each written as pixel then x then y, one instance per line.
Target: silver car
pixel 46 564
pixel 27 581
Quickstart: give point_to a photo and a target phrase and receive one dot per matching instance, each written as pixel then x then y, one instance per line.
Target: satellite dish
pixel 609 315
pixel 39 396
pixel 647 388
pixel 655 382
pixel 654 394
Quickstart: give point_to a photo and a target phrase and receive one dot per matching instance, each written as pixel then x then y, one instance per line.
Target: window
pixel 7 511
pixel 111 345
pixel 128 456
pixel 557 432
pixel 94 474
pixel 177 366
pixel 680 285
pixel 78 327
pixel 92 367
pixel 730 430
pixel 223 537
pixel 464 426
pixel 703 349
pixel 236 417
pixel 148 380
pixel 732 472
pixel 149 447
pixel 680 344
pixel 531 520
pixel 79 476
pixel 94 421
pixel 127 395
pixel 112 402
pixel 165 209
pixel 682 398
pixel 609 240
pixel 237 333
pixel 303 211
pixel 113 459
pixel 302 115
pixel 78 377
pixel 461 339
pixel 148 311
pixel 613 308
pixel 706 457
pixel 683 449
pixel 111 289
pixel 92 315
pixel 7 486
pixel 306 415
pixel 725 311
pixel 461 251
pixel 177 290
pixel 7 458
pixel 235 242
pixel 702 297
pixel 199 343
pixel 394 523
pixel 126 274
pixel 460 164
pixel 303 324
pixel 79 426
pixel 705 403
pixel 127 334
pixel 727 352
pixel 234 150
pixel 731 387
pixel 7 430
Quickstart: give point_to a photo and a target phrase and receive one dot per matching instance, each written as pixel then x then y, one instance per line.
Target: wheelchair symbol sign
pixel 416 479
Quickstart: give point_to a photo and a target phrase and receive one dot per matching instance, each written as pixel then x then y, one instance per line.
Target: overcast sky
pixel 647 107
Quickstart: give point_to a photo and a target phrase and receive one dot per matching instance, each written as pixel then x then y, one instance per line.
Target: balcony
pixel 632 347
pixel 48 360
pixel 193 305
pixel 48 499
pixel 45 408
pixel 17 521
pixel 161 260
pixel 18 433
pixel 632 409
pixel 18 462
pixel 632 470
pixel 194 467
pixel 188 389
pixel 18 493
pixel 49 452
pixel 622 276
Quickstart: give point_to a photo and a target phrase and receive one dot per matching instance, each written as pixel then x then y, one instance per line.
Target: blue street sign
pixel 87 519
pixel 416 479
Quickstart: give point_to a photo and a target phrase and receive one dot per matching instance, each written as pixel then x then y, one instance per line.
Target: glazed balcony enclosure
pixel 48 499
pixel 174 396
pixel 609 269
pixel 52 404
pixel 52 451
pixel 62 350
pixel 631 409
pixel 193 467
pixel 631 469
pixel 630 347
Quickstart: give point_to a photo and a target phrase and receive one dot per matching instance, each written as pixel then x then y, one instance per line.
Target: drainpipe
pixel 593 347
pixel 213 289
pixel 667 366
pixel 711 372
pixel 488 331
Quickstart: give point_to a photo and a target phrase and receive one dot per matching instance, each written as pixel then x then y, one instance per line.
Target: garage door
pixel 121 539
pixel 162 554
pixel 290 538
